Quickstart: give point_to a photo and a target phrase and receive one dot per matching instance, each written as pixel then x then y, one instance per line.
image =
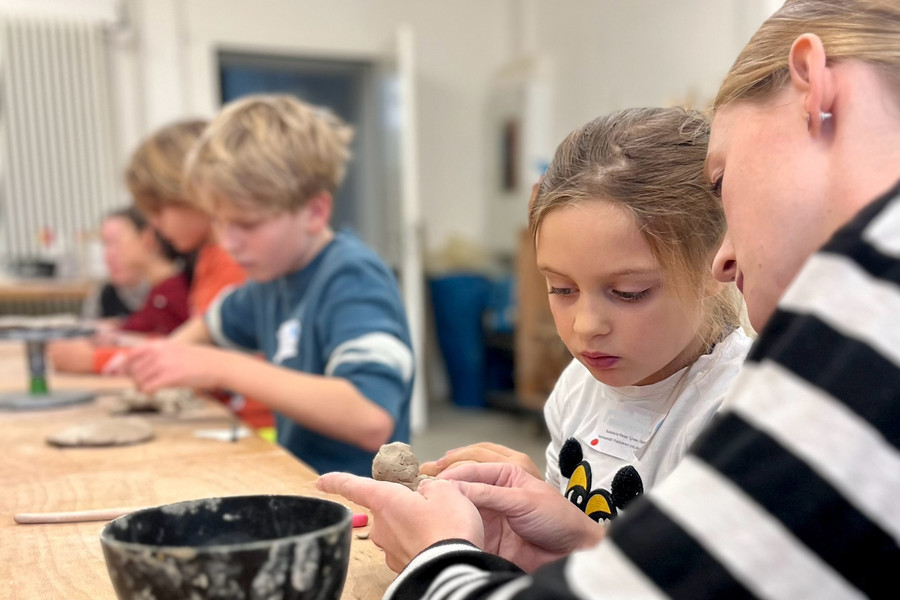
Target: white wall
pixel 458 48
pixel 601 56
pixel 102 9
pixel 612 55
pixel 166 70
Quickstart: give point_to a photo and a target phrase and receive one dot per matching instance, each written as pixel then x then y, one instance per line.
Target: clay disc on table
pixel 104 432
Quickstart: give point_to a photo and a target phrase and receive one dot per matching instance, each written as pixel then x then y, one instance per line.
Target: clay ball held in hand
pixel 396 463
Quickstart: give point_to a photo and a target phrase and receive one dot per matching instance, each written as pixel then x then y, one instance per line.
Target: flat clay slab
pixel 103 432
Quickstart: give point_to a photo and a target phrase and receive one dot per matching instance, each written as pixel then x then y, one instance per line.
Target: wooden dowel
pixel 108 514
pixel 77 516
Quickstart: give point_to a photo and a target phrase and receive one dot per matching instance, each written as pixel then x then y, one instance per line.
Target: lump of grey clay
pixel 104 432
pixel 167 401
pixel 396 462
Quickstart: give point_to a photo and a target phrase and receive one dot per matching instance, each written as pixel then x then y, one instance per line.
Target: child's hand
pixel 407 522
pixel 165 363
pixel 72 356
pixel 526 521
pixel 117 365
pixel 483 452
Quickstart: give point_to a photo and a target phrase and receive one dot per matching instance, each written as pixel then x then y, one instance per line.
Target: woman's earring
pixel 823 116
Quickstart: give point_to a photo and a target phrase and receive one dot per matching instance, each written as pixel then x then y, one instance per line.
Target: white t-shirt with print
pixel 627 439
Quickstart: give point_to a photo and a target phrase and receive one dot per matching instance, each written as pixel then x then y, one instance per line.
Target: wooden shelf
pixel 540 355
pixel 40 289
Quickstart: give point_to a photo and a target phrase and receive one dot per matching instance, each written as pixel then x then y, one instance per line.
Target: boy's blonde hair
pixel 863 30
pixel 155 173
pixel 650 162
pixel 270 153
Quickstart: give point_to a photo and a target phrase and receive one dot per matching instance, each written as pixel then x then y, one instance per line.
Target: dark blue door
pixel 338 85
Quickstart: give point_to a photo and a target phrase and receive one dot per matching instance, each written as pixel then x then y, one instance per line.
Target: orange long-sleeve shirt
pixel 214 271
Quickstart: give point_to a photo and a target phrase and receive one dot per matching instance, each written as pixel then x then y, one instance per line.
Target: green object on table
pixel 34 350
pixel 39 385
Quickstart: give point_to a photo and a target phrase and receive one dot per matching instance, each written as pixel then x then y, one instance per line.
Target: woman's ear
pixel 812 78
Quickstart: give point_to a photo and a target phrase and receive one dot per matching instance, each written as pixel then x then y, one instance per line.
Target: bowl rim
pixel 106 538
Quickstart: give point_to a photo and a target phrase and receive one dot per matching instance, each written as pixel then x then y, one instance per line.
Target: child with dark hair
pixel 134 253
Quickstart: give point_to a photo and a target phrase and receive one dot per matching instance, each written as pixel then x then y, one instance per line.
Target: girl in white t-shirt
pixel 625 230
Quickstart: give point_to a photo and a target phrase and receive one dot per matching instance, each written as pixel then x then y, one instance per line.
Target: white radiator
pixel 57 156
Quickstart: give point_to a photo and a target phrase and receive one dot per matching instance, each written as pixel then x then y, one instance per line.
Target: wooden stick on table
pixel 77 516
pixel 108 514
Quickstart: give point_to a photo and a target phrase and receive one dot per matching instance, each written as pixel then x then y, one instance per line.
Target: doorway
pixel 346 88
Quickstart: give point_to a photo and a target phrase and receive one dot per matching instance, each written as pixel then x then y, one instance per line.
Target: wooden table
pixel 65 560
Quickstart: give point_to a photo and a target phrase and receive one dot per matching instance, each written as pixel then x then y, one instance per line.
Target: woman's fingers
pixel 361 490
pixel 495 473
pixel 490 497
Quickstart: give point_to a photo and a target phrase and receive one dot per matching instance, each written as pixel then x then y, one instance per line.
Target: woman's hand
pixel 406 522
pixel 526 521
pixel 483 452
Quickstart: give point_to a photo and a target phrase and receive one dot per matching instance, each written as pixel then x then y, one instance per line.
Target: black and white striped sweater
pixel 793 493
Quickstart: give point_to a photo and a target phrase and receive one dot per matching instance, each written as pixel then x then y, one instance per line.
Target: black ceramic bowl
pixel 235 547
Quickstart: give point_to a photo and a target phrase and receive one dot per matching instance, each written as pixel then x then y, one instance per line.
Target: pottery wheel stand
pixel 39 395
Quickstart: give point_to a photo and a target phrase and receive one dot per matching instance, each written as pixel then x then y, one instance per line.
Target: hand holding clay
pixel 407 522
pixel 526 521
pixel 483 452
